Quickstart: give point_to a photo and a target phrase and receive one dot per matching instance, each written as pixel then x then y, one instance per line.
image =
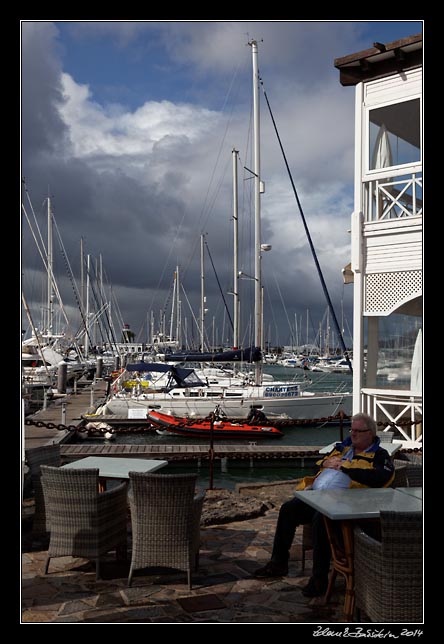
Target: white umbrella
pixel 382 152
pixel 416 371
pixel 382 158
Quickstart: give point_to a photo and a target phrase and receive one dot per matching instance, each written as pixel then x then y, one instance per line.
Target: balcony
pixel 394 198
pixel 400 409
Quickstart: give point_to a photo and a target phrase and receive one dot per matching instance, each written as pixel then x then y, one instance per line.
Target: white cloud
pixel 96 131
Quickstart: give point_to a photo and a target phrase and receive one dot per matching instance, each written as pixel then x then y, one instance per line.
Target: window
pixel 394 135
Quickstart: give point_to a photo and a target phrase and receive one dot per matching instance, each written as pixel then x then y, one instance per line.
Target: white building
pixel 386 228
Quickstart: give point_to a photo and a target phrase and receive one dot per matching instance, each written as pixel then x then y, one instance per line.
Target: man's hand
pixel 334 462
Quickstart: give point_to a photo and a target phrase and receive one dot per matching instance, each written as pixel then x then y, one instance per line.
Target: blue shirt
pixel 330 479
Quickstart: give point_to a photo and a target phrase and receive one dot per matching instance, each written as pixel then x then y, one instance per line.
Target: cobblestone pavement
pixel 224 590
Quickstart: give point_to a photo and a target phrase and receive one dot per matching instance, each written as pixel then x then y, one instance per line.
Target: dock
pixel 65 411
pixel 194 452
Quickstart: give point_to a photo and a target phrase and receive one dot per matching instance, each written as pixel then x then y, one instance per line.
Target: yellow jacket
pixel 371 468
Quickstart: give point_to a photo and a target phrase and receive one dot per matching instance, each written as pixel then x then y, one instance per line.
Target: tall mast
pixel 257 211
pixel 86 345
pixel 178 311
pixel 50 307
pixel 173 305
pixel 202 293
pixel 82 277
pixel 235 254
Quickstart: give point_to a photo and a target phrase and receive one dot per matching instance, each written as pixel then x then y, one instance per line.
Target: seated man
pixel 358 461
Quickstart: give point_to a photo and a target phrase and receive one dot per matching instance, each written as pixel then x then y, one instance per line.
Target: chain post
pixel 64 413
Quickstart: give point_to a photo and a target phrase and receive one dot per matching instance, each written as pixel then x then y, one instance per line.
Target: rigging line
pixel 180 226
pixel 209 201
pixel 98 296
pixel 73 284
pixel 36 335
pixel 196 322
pixel 113 299
pixel 68 265
pixel 34 235
pixel 284 307
pixel 42 254
pixel 118 314
pixel 69 270
pixel 315 334
pixel 318 267
pixel 220 288
pixel 208 204
pixel 344 316
pixel 87 324
pixel 270 307
pixel 228 123
pixel 35 218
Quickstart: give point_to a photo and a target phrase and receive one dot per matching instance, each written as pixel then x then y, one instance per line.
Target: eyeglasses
pixel 358 431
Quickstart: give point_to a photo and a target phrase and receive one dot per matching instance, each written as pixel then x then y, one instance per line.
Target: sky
pixel 129 127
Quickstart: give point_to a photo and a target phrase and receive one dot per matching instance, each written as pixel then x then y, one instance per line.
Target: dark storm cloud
pixel 136 185
pixel 43 130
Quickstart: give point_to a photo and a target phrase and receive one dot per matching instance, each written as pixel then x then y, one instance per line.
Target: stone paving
pixel 224 590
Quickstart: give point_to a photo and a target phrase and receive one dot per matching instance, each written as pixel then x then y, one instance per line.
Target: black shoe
pixel 271 569
pixel 315 587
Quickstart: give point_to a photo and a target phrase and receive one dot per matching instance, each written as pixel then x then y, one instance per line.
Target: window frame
pixel 394 170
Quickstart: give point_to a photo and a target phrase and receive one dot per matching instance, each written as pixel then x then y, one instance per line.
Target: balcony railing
pixel 392 198
pixel 399 409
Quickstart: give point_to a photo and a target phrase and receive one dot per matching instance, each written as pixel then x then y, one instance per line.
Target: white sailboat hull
pixel 301 407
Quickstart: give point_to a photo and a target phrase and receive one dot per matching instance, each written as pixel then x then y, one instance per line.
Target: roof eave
pixel 381 60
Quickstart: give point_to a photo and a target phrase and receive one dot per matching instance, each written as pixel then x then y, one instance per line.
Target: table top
pixel 412 491
pixel 359 503
pixel 110 467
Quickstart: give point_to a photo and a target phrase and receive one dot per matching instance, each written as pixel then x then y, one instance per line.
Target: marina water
pixel 228 474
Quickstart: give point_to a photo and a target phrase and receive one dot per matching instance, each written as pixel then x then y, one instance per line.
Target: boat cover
pixel 183 377
pixel 250 354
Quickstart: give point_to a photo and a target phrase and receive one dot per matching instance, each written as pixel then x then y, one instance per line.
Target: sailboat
pixel 183 396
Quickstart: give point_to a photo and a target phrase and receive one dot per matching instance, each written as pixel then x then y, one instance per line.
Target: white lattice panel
pixel 384 292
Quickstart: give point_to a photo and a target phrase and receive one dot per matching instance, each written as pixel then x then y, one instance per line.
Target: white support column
pixel 372 351
pixel 357 256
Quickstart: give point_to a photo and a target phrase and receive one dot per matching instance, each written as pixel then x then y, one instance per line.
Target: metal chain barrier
pixel 83 429
pixel 138 429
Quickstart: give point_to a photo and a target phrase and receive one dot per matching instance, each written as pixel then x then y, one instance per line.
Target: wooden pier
pixel 67 411
pixel 194 452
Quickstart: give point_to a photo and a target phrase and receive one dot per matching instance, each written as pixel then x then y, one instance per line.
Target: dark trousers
pixel 292 514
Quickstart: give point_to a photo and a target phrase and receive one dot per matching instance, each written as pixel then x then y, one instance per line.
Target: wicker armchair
pixel 83 521
pixel 388 574
pixel 165 518
pixel 413 470
pixel 400 479
pixel 35 457
pixel 385 437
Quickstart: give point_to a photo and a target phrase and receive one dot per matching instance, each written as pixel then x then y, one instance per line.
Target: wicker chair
pixel 35 457
pixel 165 518
pixel 413 470
pixel 385 437
pixel 83 521
pixel 400 479
pixel 388 573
